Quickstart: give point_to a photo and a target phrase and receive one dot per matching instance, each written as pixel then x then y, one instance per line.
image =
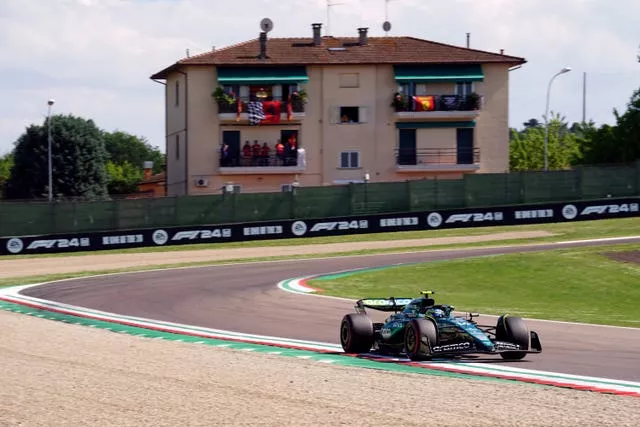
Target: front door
pixel 232 139
pixel 407 147
pixel 464 137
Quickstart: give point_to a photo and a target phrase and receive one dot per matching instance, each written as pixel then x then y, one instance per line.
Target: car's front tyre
pixel 513 330
pixel 356 333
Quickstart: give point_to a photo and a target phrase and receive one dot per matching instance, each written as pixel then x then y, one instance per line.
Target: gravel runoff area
pixel 61 374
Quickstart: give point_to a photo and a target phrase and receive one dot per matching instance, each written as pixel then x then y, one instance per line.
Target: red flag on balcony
pixel 424 103
pixel 289 108
pixel 239 110
pixel 271 111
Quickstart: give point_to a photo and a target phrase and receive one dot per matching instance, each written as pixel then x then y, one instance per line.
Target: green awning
pixel 262 75
pixel 435 73
pixel 428 125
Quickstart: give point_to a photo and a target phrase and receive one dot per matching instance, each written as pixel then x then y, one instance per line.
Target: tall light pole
pixel 546 115
pixel 50 103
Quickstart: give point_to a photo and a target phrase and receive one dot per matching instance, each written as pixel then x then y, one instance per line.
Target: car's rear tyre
pixel 513 330
pixel 356 333
pixel 420 336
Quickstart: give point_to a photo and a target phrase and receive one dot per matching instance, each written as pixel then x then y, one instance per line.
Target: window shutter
pixel 344 159
pixel 276 91
pixel 355 159
pixel 421 89
pixel 334 115
pixel 362 114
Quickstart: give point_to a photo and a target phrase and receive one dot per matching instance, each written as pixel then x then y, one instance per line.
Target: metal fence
pixel 480 190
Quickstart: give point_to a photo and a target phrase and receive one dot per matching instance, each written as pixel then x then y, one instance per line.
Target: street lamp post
pixel 50 103
pixel 546 115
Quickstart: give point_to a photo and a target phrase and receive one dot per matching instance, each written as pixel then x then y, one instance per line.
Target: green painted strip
pixel 320 357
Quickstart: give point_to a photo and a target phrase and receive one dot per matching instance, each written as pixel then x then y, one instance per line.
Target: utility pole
pixel 584 97
pixel 50 103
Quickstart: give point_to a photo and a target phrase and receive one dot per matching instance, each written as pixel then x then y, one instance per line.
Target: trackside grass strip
pixel 577 285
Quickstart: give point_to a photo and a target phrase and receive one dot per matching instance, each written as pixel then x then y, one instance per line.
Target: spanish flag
pixel 424 103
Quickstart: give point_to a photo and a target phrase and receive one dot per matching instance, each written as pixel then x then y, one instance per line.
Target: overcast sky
pixel 95 56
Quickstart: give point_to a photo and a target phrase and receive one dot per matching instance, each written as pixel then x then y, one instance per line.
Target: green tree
pixel 6 163
pixel 619 143
pixel 526 151
pixel 127 148
pixel 123 178
pixel 78 161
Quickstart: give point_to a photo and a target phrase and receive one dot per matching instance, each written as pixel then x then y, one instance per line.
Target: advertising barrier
pixel 287 229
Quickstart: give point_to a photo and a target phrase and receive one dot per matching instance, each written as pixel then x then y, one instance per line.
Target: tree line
pixel 581 143
pixel 88 163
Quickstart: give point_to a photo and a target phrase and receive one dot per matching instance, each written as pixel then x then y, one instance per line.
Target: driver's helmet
pixel 437 312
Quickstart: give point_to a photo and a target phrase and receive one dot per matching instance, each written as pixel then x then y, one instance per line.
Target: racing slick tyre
pixel 419 336
pixel 356 333
pixel 513 330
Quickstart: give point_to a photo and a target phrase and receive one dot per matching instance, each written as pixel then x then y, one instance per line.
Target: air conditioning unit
pixel 286 188
pixel 201 182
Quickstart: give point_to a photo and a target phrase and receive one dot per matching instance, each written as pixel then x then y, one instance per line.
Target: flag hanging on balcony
pixel 424 103
pixel 256 114
pixel 239 109
pixel 271 111
pixel 289 108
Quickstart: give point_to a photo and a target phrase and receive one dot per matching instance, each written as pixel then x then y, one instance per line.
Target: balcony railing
pixel 272 160
pixel 437 156
pixel 225 107
pixel 427 103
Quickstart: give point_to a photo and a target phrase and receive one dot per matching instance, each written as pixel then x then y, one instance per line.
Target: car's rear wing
pixel 383 304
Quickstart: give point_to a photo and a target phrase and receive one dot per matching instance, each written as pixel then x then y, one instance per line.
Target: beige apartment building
pixel 343 109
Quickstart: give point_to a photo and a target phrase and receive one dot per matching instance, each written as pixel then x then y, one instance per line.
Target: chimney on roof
pixel 501 51
pixel 363 36
pixel 263 45
pixel 317 38
pixel 468 40
pixel 148 169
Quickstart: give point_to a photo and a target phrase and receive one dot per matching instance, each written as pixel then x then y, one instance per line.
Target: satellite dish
pixel 266 25
pixel 386 26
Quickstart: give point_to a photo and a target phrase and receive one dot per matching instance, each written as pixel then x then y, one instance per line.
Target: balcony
pixel 437 106
pixel 262 165
pixel 275 109
pixel 437 159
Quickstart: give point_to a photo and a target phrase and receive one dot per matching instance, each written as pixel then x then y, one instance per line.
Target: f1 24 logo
pixel 612 209
pixel 475 217
pixel 340 225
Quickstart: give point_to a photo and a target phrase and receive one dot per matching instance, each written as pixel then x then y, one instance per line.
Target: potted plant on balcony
pixel 400 102
pixel 226 100
pixel 473 101
pixel 298 99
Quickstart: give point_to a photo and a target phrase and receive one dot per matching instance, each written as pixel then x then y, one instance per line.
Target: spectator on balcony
pixel 224 155
pixel 246 153
pixel 256 153
pixel 265 154
pixel 280 152
pixel 291 151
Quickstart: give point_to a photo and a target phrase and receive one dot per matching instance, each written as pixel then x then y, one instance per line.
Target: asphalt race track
pixel 244 298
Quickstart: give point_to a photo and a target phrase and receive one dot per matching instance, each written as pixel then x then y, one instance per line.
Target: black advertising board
pixel 287 229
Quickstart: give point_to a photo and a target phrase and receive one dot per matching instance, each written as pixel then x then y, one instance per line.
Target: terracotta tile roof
pixel 378 50
pixel 159 177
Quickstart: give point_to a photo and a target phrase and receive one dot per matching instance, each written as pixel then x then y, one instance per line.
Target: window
pixel 464 88
pixel 349 80
pixel 177 93
pixel 421 89
pixel 349 115
pixel 350 160
pixel 178 147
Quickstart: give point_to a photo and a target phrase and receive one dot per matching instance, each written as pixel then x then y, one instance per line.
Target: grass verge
pixel 562 231
pixel 581 284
